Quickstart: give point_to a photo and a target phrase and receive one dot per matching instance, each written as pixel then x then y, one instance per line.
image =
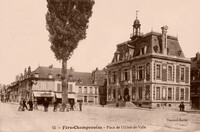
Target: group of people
pixel 182 106
pixel 33 105
pixel 23 105
pixel 71 104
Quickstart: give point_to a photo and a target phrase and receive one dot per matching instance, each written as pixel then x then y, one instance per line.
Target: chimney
pixel 25 72
pixel 164 39
pixel 197 55
pixel 71 69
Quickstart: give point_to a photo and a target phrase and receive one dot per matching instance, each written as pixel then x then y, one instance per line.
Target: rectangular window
pixel 182 74
pixel 126 78
pixel 157 93
pixel 182 94
pixel 164 93
pixel 140 92
pixel 59 87
pixel 158 71
pixel 70 88
pixel 85 89
pixel 140 73
pixel 113 76
pixel 96 90
pixel 169 73
pixel 91 90
pixel 80 90
pixel 169 93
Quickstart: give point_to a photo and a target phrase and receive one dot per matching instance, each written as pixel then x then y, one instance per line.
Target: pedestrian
pixel 35 104
pixel 30 103
pixel 80 105
pixel 117 104
pixel 21 107
pixel 46 105
pixel 24 104
pixel 55 105
pixel 181 106
pixel 72 105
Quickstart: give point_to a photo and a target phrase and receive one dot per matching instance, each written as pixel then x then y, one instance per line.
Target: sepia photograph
pixel 99 65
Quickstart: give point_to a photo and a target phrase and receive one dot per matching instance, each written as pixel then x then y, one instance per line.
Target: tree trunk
pixel 64 83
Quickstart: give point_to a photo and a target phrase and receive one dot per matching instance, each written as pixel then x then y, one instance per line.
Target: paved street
pixel 97 118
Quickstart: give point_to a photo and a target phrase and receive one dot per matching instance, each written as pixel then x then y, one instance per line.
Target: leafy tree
pixel 67 21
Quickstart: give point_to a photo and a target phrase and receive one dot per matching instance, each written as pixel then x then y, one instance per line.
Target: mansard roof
pixel 152 42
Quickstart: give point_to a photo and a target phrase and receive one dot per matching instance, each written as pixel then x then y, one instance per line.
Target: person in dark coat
pixel 46 105
pixel 80 105
pixel 24 104
pixel 21 106
pixel 30 103
pixel 182 106
pixel 72 105
pixel 55 105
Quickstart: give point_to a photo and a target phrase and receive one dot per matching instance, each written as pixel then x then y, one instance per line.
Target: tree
pixel 67 21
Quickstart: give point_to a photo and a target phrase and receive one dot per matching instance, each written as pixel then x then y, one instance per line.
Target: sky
pixel 24 38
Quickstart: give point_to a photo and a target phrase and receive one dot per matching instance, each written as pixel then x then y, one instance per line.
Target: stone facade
pixel 149 70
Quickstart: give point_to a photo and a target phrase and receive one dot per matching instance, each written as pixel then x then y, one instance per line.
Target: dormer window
pixel 155 48
pixel 143 50
pixel 179 53
pixel 36 75
pixel 50 76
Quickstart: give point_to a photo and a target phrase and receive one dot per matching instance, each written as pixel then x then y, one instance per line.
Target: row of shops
pixel 52 96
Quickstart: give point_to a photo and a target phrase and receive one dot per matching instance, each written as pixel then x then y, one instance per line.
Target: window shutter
pixel 128 74
pixel 148 71
pixel 133 74
pixel 186 94
pixel 177 73
pixel 143 72
pixel 187 75
pixel 164 72
pixel 120 75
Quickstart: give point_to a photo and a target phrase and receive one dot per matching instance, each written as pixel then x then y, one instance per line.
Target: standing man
pixel 46 105
pixel 80 105
pixel 55 106
pixel 30 103
pixel 24 104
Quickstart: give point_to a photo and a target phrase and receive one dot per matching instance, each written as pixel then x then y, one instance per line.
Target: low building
pixel 195 81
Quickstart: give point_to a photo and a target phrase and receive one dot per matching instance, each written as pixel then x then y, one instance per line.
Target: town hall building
pixel 149 70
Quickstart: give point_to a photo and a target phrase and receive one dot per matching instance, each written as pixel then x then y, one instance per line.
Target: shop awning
pixel 59 95
pixel 43 94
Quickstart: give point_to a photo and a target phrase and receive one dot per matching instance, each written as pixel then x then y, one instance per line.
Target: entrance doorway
pixel 126 94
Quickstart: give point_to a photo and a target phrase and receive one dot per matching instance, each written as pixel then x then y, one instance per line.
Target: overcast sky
pixel 24 38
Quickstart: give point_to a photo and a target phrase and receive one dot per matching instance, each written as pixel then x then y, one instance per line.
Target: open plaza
pixel 98 118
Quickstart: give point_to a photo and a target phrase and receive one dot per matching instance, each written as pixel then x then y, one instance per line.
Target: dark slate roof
pixel 82 78
pixel 149 40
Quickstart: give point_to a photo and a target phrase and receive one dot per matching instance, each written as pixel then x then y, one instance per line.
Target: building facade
pixel 45 82
pixel 195 81
pixel 149 70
